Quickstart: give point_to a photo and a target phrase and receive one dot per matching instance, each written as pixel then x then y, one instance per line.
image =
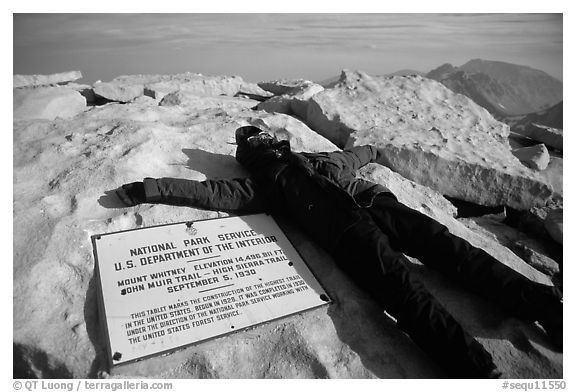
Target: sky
pixel 260 47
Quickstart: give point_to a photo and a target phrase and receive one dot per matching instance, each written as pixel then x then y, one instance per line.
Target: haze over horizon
pixel 262 47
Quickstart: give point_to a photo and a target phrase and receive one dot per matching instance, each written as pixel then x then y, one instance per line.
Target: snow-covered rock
pixel 118 92
pixel 42 80
pixel 47 103
pixel 428 134
pixel 64 171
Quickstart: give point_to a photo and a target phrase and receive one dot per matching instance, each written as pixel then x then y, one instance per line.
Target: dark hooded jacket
pixel 319 191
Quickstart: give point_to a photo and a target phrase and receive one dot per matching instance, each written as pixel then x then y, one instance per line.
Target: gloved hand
pixel 132 194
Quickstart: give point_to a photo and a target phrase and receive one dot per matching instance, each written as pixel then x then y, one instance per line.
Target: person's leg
pixel 420 236
pixel 365 255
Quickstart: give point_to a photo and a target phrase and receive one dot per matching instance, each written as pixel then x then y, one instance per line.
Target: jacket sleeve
pixel 356 157
pixel 234 195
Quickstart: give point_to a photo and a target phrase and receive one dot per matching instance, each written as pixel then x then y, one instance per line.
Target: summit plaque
pixel 165 287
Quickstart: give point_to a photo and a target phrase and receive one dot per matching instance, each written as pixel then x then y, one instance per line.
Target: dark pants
pixel 371 254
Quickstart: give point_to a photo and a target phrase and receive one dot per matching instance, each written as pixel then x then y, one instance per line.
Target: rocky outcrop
pixel 86 90
pixel 283 86
pixel 430 135
pixel 293 101
pixel 535 157
pixel 63 172
pixel 47 103
pixel 43 80
pixel 253 91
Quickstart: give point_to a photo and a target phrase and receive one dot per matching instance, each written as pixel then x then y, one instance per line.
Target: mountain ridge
pixel 504 89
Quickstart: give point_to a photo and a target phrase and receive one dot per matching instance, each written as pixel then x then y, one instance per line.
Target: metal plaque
pixel 164 287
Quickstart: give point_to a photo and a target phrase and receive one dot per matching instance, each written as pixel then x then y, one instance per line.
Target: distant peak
pixel 441 72
pixel 489 63
pixel 445 67
pixel 499 69
pixel 477 61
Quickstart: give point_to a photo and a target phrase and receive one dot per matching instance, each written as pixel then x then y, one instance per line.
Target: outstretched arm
pixel 356 157
pixel 239 195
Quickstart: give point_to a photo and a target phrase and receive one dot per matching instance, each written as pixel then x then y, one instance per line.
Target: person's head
pixel 257 148
pixel 254 137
